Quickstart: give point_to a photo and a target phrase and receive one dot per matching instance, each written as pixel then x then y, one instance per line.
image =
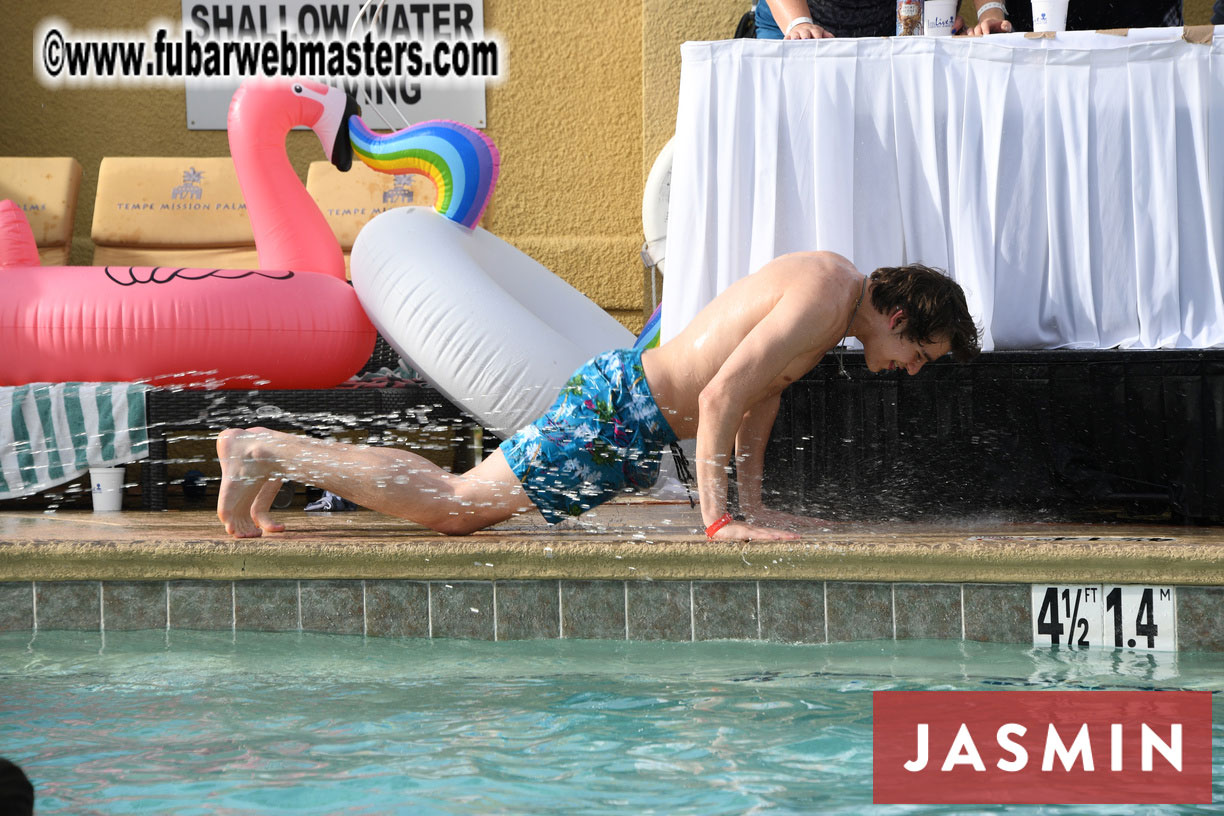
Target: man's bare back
pixel 718 381
pixel 820 290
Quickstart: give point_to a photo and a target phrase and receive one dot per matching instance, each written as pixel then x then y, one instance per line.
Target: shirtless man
pixel 720 380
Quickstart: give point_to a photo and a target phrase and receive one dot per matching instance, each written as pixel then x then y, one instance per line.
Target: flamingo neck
pixel 290 231
pixel 17 244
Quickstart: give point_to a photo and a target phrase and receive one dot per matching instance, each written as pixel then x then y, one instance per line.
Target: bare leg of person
pixel 396 482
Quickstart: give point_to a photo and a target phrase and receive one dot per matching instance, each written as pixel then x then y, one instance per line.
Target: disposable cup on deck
pixel 106 486
pixel 1049 15
pixel 938 17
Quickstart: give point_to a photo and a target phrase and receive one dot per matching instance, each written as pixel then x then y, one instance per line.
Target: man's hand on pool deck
pixel 742 531
pixel 781 520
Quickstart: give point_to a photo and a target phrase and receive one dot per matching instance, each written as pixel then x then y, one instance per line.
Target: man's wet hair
pixel 933 303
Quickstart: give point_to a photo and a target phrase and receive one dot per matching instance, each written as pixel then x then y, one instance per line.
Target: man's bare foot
pixel 244 477
pixel 261 508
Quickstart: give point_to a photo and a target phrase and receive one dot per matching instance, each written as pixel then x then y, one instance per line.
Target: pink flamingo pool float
pixel 292 323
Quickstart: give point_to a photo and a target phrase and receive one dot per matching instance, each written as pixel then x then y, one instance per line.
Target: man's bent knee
pixel 459 524
pixel 472 504
pixel 472 517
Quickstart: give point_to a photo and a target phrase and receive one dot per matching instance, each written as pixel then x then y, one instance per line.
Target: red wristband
pixel 718 525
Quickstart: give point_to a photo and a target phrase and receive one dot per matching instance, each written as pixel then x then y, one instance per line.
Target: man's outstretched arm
pixel 750 445
pixel 752 370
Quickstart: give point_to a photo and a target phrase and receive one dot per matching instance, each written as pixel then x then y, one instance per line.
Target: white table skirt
pixel 1074 186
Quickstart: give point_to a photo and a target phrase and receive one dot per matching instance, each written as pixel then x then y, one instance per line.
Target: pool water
pixel 253 723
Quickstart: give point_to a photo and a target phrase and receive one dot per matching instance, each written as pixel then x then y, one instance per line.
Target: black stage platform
pixel 1057 435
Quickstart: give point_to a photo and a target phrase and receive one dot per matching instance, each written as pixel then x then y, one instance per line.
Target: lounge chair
pixel 46 189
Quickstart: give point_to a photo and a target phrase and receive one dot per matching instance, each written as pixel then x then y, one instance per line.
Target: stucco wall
pixel 588 102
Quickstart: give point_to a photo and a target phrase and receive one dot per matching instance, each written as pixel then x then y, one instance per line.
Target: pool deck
pixel 622 541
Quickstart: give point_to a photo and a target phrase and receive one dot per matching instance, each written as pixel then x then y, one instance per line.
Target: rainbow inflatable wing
pixel 462 162
pixel 649 338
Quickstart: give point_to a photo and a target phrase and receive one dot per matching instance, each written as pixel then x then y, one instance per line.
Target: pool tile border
pixel 69 604
pixel 396 608
pixel 726 609
pixel 779 611
pixel 267 606
pixel 528 610
pixel 462 609
pixel 594 609
pixel 16 606
pixel 792 611
pixel 133 605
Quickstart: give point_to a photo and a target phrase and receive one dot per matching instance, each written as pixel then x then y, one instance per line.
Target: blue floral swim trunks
pixel 604 435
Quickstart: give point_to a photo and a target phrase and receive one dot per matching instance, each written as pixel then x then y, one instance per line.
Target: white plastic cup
pixel 1049 15
pixel 938 17
pixel 106 486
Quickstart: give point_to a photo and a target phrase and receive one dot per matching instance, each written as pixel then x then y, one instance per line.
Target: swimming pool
pixel 217 723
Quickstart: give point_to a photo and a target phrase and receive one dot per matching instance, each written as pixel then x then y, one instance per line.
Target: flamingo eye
pixel 297 89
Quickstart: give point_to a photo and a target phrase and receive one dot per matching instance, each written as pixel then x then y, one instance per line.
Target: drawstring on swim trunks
pixel 683 470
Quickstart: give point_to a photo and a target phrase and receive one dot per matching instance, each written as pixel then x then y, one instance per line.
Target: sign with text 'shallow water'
pixel 405 61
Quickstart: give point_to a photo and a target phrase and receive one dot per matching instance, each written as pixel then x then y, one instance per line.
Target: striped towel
pixel 51 433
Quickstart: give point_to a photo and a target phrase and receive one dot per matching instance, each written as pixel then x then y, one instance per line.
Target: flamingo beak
pixel 342 149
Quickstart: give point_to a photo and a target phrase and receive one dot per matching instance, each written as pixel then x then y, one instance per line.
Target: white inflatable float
pixel 491 328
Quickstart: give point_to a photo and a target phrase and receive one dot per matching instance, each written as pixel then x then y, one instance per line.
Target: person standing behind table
pixel 819 19
pixel 1091 15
